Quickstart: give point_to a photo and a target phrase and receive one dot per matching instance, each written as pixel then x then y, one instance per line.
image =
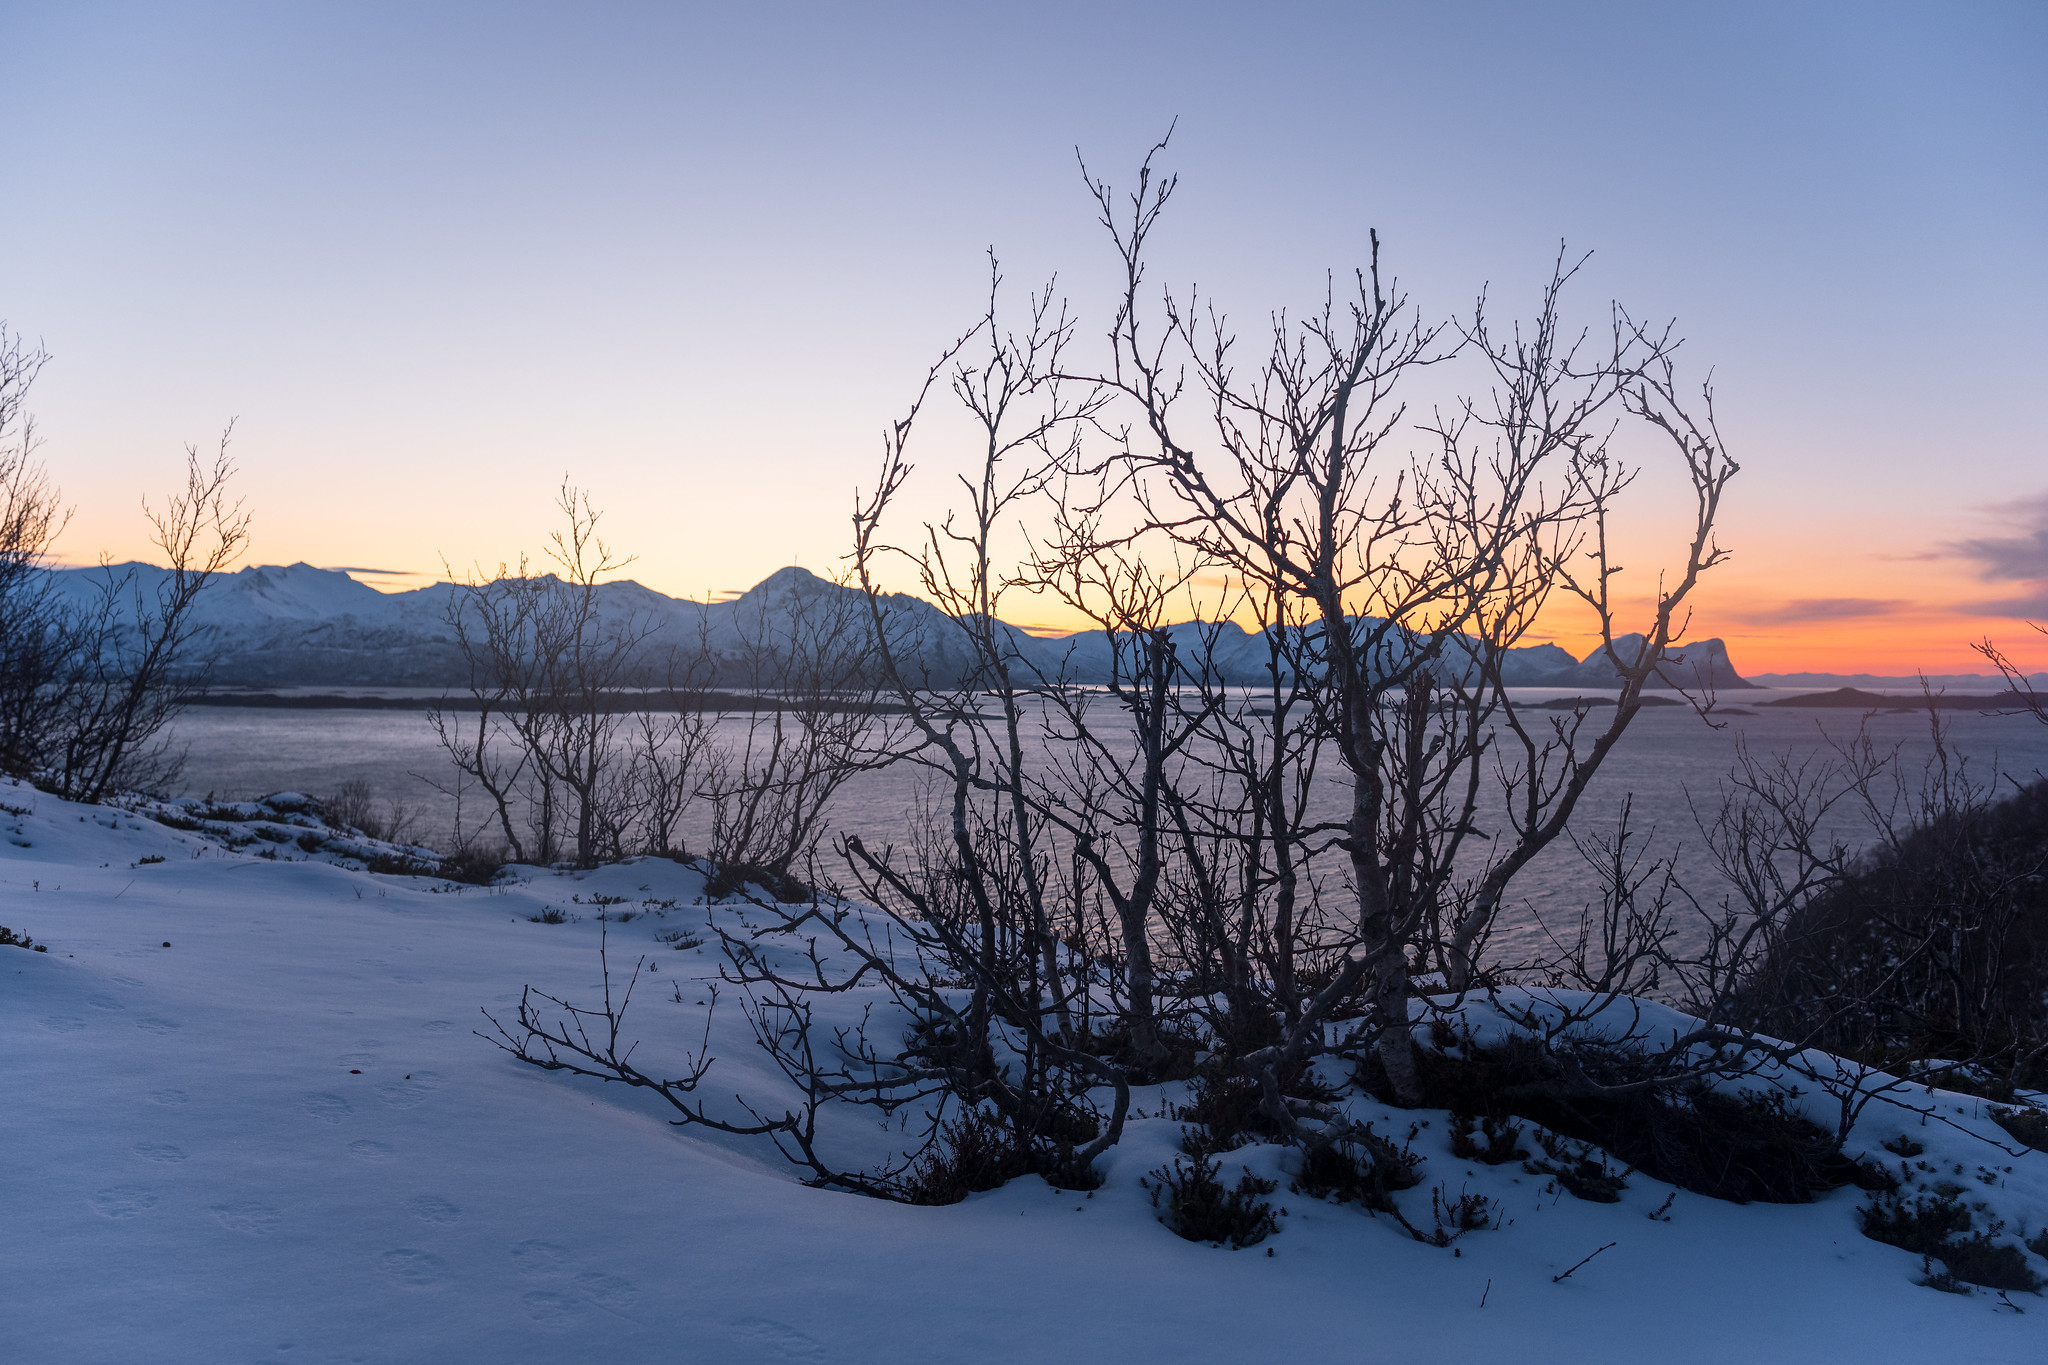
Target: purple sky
pixel 432 256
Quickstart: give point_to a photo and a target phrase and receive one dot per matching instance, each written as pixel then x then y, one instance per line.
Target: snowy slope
pixel 276 1139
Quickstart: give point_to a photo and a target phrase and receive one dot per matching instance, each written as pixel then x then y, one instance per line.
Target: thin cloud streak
pixel 2034 608
pixel 1830 609
pixel 2021 557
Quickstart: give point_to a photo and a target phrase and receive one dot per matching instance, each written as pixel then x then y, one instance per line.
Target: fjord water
pixel 1669 764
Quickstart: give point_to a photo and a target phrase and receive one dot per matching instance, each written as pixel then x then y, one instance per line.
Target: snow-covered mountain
pixel 297 625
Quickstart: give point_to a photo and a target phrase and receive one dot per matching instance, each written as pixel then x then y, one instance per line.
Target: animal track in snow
pixel 160 1151
pixel 779 1338
pixel 327 1108
pixel 123 1201
pixel 246 1216
pixel 614 1292
pixel 366 1150
pixel 156 1025
pixel 409 1269
pixel 411 1091
pixel 433 1209
pixel 536 1260
pixel 550 1309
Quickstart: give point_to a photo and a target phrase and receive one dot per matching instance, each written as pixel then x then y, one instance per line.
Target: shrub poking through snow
pixel 2027 1125
pixel 474 864
pixel 10 939
pixel 1226 1110
pixel 1201 1210
pixel 1223 1109
pixel 1582 1171
pixel 731 878
pixel 1366 1170
pixel 1453 1218
pixel 1496 1143
pixel 1939 1227
pixel 975 1152
pixel 1739 1147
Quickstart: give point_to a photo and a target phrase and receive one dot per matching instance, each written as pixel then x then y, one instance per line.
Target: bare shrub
pixel 355 805
pixel 10 938
pixel 86 688
pixel 1366 1169
pixel 1923 958
pixel 1110 875
pixel 1939 1227
pixel 975 1152
pixel 1200 1209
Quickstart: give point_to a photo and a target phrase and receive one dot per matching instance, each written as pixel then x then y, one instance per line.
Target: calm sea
pixel 1669 763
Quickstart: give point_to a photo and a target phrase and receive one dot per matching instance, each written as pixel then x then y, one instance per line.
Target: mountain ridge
pixel 298 625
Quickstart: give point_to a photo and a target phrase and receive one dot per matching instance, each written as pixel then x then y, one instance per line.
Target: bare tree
pixel 87 689
pixel 2021 686
pixel 32 515
pixel 547 673
pixel 127 657
pixel 1423 564
pixel 810 726
pixel 1122 872
pixel 1918 957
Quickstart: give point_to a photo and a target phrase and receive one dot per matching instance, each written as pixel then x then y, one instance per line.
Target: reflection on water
pixel 1668 757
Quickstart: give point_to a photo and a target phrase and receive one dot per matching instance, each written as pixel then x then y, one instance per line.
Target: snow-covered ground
pixel 243 1117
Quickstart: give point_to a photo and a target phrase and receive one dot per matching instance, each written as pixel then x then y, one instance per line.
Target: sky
pixel 430 258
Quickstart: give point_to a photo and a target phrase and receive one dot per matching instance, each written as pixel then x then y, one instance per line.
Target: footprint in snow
pixel 159 1151
pixel 607 1291
pixel 246 1216
pixel 410 1269
pixel 433 1209
pixel 156 1025
pixel 123 1201
pixel 549 1309
pixel 327 1108
pixel 64 1023
pixel 167 1096
pixel 410 1091
pixel 104 1002
pixel 366 1150
pixel 437 1026
pixel 537 1260
pixel 779 1338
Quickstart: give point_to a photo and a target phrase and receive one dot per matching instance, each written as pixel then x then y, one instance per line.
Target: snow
pixel 278 1139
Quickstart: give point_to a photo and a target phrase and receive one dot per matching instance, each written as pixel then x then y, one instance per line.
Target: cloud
pixel 357 568
pixel 1829 609
pixel 2030 608
pixel 2021 556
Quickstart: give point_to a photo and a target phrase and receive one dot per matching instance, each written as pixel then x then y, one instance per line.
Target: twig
pixel 1556 1279
pixel 1484 1292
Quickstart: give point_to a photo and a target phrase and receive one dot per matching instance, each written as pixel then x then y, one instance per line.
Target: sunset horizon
pixel 914 682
